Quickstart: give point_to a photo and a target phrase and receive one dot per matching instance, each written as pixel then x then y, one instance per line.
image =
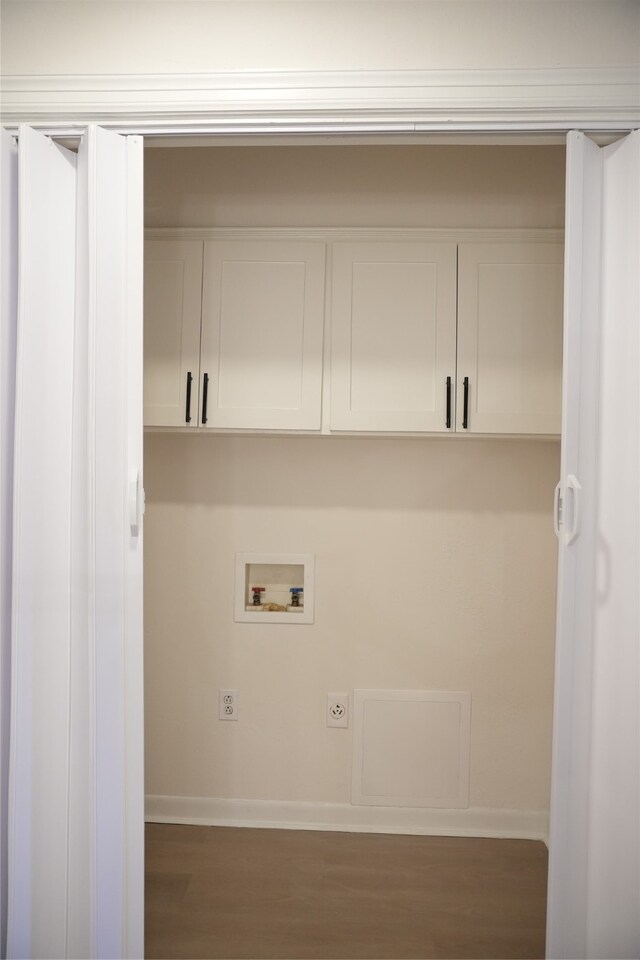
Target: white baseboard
pixel 303 815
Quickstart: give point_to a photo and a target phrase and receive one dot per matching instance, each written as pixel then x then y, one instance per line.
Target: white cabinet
pixel 437 333
pixel 234 334
pixel 172 304
pixel 397 363
pixel 393 336
pixel 262 334
pixel 509 337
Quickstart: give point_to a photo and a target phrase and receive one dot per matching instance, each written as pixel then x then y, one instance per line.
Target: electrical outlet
pixel 337 709
pixel 227 704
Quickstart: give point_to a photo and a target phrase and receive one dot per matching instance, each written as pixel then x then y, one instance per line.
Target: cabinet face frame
pixel 291 279
pixel 185 329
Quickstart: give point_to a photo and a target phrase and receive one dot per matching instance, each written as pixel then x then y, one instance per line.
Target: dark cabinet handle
pixel 448 402
pixel 187 415
pixel 465 407
pixel 205 391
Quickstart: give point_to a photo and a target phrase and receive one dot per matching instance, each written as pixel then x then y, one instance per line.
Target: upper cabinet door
pixel 510 337
pixel 262 334
pixel 393 336
pixel 172 306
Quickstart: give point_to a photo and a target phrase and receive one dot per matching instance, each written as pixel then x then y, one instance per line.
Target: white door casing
pixel 520 101
pixel 562 788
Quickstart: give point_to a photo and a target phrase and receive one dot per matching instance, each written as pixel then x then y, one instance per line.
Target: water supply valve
pixel 257 598
pixel 296 596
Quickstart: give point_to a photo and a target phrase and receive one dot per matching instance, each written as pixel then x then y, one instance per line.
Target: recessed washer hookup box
pixel 274 588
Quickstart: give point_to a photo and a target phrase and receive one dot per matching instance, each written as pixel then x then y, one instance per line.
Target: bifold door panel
pixel 75 881
pixel 594 849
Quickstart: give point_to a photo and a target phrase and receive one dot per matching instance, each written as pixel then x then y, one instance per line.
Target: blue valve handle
pixel 296 590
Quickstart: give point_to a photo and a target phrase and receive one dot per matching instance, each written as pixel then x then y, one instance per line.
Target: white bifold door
pixel 594 862
pixel 74 824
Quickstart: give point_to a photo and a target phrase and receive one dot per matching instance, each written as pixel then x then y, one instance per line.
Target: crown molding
pixel 400 101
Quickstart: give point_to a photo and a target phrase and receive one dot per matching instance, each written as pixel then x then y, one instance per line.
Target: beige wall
pixel 435 569
pixel 436 560
pixel 412 186
pixel 196 36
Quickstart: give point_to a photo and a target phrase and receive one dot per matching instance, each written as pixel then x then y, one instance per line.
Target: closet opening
pixel 353 354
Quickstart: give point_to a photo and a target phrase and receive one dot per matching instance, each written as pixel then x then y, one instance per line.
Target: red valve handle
pixel 257 589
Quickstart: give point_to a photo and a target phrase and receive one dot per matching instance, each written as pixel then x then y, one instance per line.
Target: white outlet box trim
pixel 344 817
pixel 362 697
pixel 306 560
pixel 224 704
pixel 343 721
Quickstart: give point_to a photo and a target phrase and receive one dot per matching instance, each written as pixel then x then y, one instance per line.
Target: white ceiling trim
pixel 598 99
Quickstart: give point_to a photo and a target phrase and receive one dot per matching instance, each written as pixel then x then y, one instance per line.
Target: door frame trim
pixel 525 100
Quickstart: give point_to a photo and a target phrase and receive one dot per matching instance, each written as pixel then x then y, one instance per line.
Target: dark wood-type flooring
pixel 215 892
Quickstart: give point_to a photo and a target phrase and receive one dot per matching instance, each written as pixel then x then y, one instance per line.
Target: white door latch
pixel 136 501
pixel 560 517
